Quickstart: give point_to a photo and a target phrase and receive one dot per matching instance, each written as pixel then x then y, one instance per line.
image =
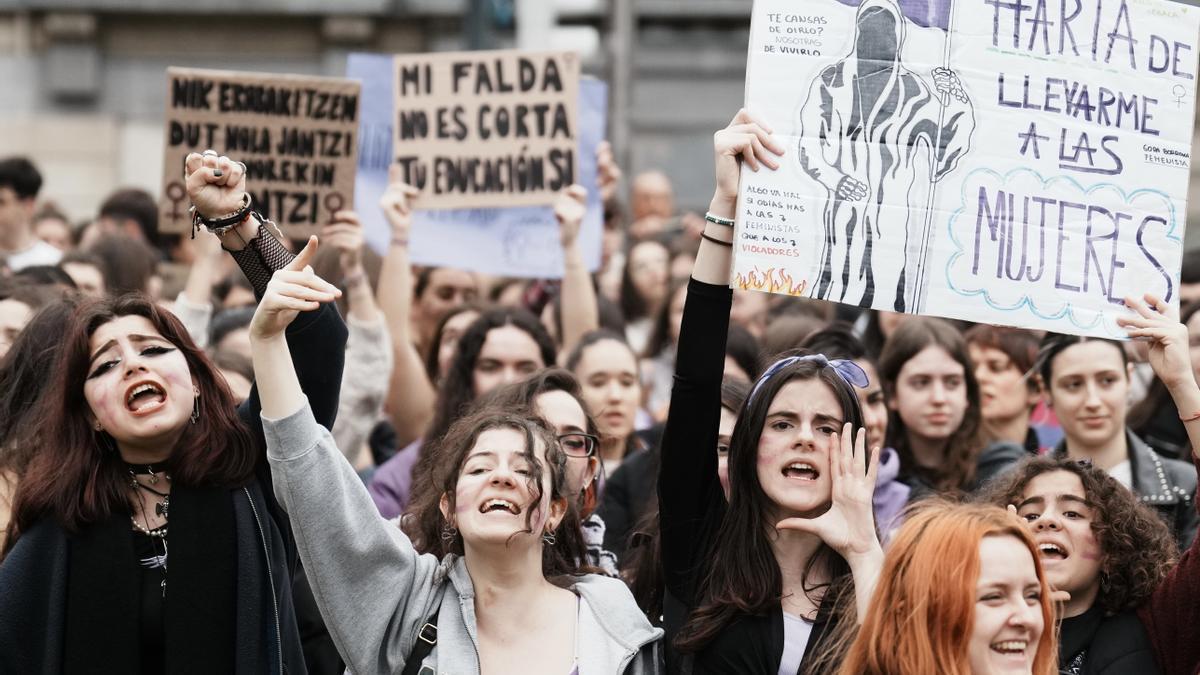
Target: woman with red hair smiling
pixel 961 593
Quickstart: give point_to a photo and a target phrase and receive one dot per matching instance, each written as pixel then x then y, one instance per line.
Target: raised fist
pixel 215 184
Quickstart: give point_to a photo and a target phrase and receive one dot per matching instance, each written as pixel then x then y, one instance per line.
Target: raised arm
pixel 217 187
pixel 580 311
pixel 691 502
pixel 410 395
pixel 193 305
pixel 1173 610
pixel 373 589
pixel 368 349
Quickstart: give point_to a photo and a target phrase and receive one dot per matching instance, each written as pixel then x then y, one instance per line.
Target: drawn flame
pixel 759 280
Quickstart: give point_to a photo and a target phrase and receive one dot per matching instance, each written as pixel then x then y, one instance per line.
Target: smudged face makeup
pixel 494 497
pixel 1007 622
pixel 1055 508
pixel 795 446
pixel 139 387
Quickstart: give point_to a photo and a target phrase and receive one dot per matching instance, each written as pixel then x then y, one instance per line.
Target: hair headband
pixel 850 372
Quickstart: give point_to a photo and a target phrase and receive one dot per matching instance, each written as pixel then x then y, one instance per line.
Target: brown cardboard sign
pixel 487 129
pixel 297 135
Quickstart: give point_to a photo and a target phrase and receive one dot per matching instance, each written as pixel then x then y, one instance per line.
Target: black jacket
pixel 1168 485
pixel 36 578
pixel 629 494
pixel 692 502
pixel 1094 644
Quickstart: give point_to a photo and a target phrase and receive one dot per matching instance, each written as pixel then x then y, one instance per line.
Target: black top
pixel 629 493
pixel 72 601
pixel 692 503
pixel 1094 644
pixel 150 555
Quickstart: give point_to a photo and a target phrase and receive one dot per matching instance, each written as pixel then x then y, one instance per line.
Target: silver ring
pixel 209 152
pixel 243 165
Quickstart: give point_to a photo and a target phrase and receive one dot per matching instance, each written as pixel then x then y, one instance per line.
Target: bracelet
pixel 718 220
pixel 727 244
pixel 400 241
pixel 221 224
pixel 1190 418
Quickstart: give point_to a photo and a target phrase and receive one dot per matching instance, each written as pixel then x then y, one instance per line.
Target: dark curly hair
pixel 1139 549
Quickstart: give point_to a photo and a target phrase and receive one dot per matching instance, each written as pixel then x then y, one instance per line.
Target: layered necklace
pixel 157 535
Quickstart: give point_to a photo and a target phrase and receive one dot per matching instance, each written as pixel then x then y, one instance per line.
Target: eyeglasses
pixel 578 444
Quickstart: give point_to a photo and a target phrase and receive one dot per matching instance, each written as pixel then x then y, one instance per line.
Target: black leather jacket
pixel 1168 485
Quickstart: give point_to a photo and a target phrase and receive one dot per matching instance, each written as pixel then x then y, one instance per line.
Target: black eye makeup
pixel 105 366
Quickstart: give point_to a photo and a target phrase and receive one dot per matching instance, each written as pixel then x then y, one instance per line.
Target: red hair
pixel 923 609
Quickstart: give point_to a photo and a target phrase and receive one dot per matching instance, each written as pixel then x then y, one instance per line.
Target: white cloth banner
pixel 1018 162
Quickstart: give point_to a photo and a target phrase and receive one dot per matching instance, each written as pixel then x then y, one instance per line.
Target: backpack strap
pixel 426 640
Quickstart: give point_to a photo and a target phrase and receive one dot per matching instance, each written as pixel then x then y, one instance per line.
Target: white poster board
pixel 1020 163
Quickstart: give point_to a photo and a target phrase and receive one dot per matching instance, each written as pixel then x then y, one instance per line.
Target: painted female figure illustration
pixel 872 130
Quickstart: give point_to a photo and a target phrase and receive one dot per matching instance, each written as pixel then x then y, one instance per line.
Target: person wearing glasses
pixel 508 593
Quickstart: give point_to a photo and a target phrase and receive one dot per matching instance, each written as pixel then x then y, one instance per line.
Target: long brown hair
pixel 523 396
pixel 76 475
pixel 922 611
pixel 743 574
pixel 427 526
pixel 962 447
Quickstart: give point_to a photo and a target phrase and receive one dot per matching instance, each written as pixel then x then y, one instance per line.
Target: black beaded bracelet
pixel 221 224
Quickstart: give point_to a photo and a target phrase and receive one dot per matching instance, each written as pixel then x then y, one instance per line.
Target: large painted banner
pixel 517 241
pixel 1019 162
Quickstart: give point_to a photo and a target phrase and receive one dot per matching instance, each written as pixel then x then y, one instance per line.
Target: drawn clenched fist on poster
pixel 947 83
pixel 877 135
pixel 851 189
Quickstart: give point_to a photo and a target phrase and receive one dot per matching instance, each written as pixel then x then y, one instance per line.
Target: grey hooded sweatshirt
pixel 376 592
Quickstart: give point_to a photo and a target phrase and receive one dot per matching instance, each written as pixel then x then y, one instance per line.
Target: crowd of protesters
pixel 236 451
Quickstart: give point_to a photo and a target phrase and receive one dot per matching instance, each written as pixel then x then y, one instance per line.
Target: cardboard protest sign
pixel 517 241
pixel 487 129
pixel 297 135
pixel 1021 163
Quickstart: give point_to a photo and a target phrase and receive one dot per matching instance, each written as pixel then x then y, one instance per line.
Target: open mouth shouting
pixel 801 471
pixel 145 397
pixel 499 505
pixel 1050 552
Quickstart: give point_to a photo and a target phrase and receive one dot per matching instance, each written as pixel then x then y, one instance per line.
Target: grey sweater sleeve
pixel 374 590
